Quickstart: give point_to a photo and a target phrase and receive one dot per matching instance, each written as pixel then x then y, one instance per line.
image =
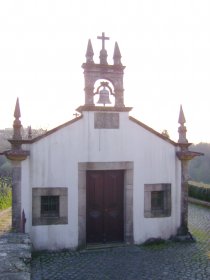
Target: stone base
pixel 183 238
pixel 177 238
pixel 154 241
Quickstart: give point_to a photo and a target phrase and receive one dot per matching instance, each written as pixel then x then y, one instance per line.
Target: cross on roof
pixel 76 115
pixel 103 38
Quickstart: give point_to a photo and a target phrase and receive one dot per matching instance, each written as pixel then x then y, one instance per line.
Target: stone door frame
pixel 127 166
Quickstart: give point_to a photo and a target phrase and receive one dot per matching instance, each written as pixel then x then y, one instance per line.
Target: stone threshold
pixel 95 246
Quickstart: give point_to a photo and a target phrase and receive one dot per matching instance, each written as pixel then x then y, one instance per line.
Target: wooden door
pixel 104 214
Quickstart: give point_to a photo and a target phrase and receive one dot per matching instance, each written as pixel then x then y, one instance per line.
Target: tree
pixel 199 168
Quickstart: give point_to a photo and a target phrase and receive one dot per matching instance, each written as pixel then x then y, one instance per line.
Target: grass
pixel 157 246
pixel 200 234
pixel 208 254
pixel 5 198
pixel 5 193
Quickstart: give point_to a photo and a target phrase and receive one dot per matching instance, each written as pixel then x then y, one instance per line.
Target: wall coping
pixel 198 201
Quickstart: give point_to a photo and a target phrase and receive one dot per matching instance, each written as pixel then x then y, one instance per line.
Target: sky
pixel 165 46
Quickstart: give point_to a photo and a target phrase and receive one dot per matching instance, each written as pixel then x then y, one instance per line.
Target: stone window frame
pixel 157 213
pixel 37 218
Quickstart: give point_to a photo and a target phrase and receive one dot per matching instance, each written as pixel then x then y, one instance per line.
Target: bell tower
pixel 94 72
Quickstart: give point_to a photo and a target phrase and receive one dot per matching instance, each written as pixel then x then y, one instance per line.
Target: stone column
pixel 185 156
pixel 16 196
pixel 16 155
pixel 89 85
pixel 119 98
pixel 184 198
pixel 89 96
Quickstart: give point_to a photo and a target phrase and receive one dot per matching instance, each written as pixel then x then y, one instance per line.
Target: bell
pixel 104 97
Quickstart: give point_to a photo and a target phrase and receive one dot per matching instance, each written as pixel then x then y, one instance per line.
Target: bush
pixel 5 167
pixel 5 193
pixel 198 192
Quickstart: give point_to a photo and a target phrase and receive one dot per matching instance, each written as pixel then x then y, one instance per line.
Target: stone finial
pixel 117 55
pixel 29 132
pixel 17 114
pixel 17 123
pixel 182 129
pixel 16 153
pixel 103 57
pixel 103 52
pixel 89 53
pixel 181 116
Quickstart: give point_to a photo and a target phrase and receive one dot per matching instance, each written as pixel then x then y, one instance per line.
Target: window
pixel 157 200
pixel 50 206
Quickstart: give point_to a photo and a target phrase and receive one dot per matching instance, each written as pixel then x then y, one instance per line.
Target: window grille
pixel 157 200
pixel 50 206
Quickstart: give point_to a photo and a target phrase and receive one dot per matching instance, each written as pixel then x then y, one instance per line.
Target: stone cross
pixel 103 38
pixel 76 115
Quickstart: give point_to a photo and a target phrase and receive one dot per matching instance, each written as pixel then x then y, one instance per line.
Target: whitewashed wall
pixel 53 162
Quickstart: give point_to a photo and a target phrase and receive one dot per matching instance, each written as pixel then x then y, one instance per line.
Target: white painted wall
pixel 53 162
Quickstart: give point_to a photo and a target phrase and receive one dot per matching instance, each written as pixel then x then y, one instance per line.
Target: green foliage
pixel 5 193
pixel 199 168
pixel 200 234
pixel 155 243
pixel 199 192
pixel 5 167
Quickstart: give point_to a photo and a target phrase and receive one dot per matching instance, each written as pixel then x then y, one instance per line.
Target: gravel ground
pixel 171 261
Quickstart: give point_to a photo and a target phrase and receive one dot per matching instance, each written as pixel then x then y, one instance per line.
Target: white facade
pixel 54 163
pixel 139 166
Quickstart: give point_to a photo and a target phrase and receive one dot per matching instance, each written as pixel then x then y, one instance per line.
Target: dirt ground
pixel 5 220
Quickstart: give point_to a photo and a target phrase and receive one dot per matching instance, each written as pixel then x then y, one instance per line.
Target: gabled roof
pixel 31 141
pixel 152 131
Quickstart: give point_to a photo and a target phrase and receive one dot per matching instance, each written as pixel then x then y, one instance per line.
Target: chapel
pixel 102 177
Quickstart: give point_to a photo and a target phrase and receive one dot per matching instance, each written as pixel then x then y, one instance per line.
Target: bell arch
pixel 104 93
pixel 113 73
pixel 95 72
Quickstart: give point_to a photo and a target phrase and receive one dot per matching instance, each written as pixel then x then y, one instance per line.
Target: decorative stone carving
pixel 106 120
